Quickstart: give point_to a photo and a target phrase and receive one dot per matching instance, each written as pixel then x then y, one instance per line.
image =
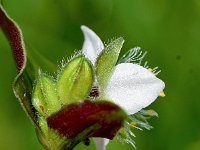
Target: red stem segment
pixel 15 38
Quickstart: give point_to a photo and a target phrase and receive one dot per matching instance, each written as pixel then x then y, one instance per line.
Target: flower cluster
pixel 92 74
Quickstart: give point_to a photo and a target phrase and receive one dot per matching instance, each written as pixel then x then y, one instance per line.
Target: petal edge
pixel 100 143
pixel 133 87
pixel 92 45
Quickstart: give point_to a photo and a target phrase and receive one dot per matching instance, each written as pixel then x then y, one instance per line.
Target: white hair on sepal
pixel 106 44
pixel 43 73
pixel 61 65
pixel 75 54
pixel 46 73
pixel 66 60
pixel 111 40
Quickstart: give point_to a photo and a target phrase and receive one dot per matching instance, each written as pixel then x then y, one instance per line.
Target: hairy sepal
pixel 106 61
pixel 45 97
pixel 75 80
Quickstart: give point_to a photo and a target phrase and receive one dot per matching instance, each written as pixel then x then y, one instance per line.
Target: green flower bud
pixel 107 60
pixel 45 98
pixel 75 80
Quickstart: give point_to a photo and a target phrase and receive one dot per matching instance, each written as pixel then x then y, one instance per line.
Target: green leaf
pixel 107 60
pixel 75 80
pixel 45 97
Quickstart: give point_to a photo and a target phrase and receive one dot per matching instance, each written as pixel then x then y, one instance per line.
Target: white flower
pixel 130 86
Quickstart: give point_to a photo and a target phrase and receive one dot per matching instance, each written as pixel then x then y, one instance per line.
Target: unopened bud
pixel 45 98
pixel 75 80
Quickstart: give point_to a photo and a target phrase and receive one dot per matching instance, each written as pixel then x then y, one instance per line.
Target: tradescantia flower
pixel 94 94
pixel 128 85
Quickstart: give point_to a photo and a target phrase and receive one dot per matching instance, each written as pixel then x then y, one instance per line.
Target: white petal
pixel 92 45
pixel 133 87
pixel 100 143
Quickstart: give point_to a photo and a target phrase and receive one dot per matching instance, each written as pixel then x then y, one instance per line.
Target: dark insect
pixel 94 92
pixel 86 141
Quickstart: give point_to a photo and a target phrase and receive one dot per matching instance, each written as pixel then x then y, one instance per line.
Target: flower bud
pixel 75 80
pixel 45 98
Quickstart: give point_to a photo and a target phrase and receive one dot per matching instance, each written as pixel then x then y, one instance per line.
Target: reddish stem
pixel 15 38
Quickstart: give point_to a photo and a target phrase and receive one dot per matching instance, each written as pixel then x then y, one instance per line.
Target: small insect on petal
pixel 86 141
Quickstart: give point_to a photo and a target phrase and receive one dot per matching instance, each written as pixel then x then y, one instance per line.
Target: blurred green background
pixel 168 29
